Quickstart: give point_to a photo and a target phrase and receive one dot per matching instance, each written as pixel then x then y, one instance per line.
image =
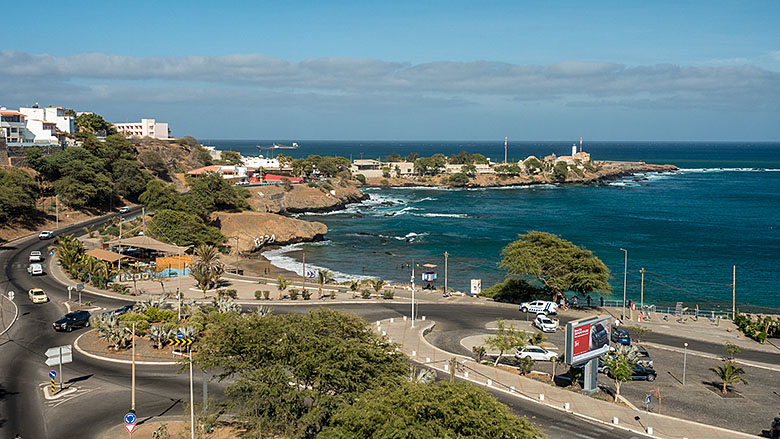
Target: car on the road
pixel 544 323
pixel 535 352
pixel 124 210
pixel 35 269
pixel 621 336
pixel 539 306
pixel 35 256
pixel 37 295
pixel 638 373
pixel 119 311
pixel 72 320
pixel 46 234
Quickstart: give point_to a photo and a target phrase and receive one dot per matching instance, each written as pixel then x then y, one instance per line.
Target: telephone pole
pixel 446 291
pixel 143 218
pixel 303 274
pixel 734 292
pixel 412 293
pixel 642 291
pixel 625 276
pixel 57 208
pixel 236 254
pixel 132 384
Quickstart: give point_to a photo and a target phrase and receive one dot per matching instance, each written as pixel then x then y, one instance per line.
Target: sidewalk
pixel 414 344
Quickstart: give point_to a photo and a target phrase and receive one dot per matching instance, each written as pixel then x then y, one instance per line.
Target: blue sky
pixel 531 70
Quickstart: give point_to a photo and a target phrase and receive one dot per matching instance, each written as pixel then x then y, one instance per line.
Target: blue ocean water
pixel 686 229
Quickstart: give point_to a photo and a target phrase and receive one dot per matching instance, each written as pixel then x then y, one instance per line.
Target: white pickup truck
pixel 35 269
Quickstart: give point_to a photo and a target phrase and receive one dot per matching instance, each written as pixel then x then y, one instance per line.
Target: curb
pixel 643 433
pixel 116 360
pixel 16 315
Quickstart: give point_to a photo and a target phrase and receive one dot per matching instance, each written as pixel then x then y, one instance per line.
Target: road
pixel 103 394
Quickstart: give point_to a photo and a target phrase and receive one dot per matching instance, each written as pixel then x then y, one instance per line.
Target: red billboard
pixel 581 340
pixel 586 339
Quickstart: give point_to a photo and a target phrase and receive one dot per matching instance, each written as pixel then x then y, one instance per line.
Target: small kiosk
pixel 429 277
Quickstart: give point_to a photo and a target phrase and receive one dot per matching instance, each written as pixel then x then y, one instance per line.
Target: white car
pixel 124 210
pixel 46 234
pixel 535 353
pixel 539 306
pixel 35 269
pixel 36 256
pixel 544 323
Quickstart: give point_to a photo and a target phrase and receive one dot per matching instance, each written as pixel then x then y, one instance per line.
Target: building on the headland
pixel 34 126
pixel 481 168
pixel 214 153
pixel 64 122
pixel 261 162
pixel 228 172
pixel 370 168
pixel 145 128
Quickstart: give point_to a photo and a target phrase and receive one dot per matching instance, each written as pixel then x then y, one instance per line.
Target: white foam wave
pixel 410 236
pixel 696 170
pixel 279 259
pixel 442 215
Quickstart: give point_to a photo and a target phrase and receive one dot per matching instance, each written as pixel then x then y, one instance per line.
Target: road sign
pixel 180 341
pixel 11 295
pixel 648 399
pixel 51 252
pixel 59 355
pixel 52 374
pixel 179 335
pixel 130 419
pixel 79 287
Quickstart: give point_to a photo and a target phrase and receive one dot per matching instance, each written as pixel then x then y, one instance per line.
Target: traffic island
pixel 173 427
pixel 91 345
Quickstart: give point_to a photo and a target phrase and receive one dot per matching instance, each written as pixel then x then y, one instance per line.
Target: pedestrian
pixel 588 301
pixel 602 301
pixel 617 323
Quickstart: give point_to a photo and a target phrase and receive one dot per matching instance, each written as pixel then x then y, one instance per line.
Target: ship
pixel 275 146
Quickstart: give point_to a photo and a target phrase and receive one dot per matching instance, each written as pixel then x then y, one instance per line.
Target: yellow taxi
pixel 37 295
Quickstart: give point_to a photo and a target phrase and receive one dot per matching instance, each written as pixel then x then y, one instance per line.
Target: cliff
pixel 255 229
pixel 302 198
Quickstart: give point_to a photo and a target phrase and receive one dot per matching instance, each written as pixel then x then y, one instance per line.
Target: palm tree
pixel 105 271
pixel 207 268
pixel 378 284
pixel 69 252
pixel 729 373
pixel 324 276
pixel 281 284
pixel 354 285
pixel 90 266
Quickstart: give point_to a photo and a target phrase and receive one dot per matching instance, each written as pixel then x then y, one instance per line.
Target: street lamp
pixel 685 360
pixel 625 274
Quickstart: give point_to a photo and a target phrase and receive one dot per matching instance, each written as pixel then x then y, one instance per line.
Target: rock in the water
pixel 256 229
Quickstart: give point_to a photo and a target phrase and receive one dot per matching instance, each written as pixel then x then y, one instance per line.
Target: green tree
pixel 377 284
pixel 556 263
pixel 729 374
pixel 290 372
pixel 438 410
pixel 412 156
pixel 323 277
pixel 207 268
pixel 281 284
pixel 159 195
pixel 395 157
pixel 81 186
pixel 130 178
pixel 212 192
pixel 459 179
pixel 560 171
pixel 507 337
pixel 116 147
pixel 69 251
pixel 18 194
pixel 94 124
pixel 231 157
pixel 155 163
pixel 619 363
pixel 182 228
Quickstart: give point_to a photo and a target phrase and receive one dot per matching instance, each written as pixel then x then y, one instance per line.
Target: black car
pixel 71 320
pixel 776 428
pixel 639 372
pixel 598 336
pixel 120 311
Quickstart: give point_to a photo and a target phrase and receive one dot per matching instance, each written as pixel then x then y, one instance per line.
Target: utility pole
pixel 132 384
pixel 178 290
pixel 192 398
pixel 625 277
pixel 446 292
pixel 734 293
pixel 205 391
pixel 685 360
pixel 412 292
pixel 303 274
pixel 506 141
pixel 143 218
pixel 57 208
pixel 642 291
pixel 236 253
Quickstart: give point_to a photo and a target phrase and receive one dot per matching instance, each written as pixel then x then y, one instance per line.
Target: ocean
pixel 686 229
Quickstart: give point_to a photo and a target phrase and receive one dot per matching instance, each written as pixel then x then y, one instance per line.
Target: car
pixel 644 357
pixel 72 320
pixel 598 336
pixel 639 373
pixel 35 269
pixel 539 306
pixel 36 256
pixel 535 352
pixel 46 234
pixel 120 311
pixel 37 295
pixel 124 210
pixel 544 323
pixel 775 428
pixel 621 336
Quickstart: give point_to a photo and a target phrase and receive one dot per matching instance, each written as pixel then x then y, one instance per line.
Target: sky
pixel 405 70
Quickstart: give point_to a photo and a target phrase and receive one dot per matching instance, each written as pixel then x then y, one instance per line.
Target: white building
pixel 145 128
pixel 261 162
pixel 57 115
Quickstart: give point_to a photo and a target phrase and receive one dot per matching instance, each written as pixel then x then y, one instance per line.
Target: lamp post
pixel 685 360
pixel 412 293
pixel 625 275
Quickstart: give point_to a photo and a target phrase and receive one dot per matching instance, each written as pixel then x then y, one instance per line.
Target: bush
pixel 119 288
pixel 160 315
pixel 306 294
pixel 233 294
pixel 388 294
pixel 293 294
pixel 327 186
pixel 258 294
pixel 366 294
pixel 313 184
pixel 384 182
pixel 361 178
pixel 459 179
pixel 141 321
pixel 266 295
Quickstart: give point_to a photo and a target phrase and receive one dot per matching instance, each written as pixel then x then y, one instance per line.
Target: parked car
pixel 36 256
pixel 775 428
pixel 46 234
pixel 621 336
pixel 124 210
pixel 120 311
pixel 598 336
pixel 544 323
pixel 539 306
pixel 37 295
pixel 644 357
pixel 35 269
pixel 72 320
pixel 536 353
pixel 639 372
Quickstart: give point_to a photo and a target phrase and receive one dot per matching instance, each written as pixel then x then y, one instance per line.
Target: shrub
pixel 160 315
pixel 313 184
pixel 388 294
pixel 524 365
pixel 233 294
pixel 266 295
pixel 119 288
pixel 366 294
pixel 306 294
pixel 479 353
pixel 293 294
pixel 141 321
pixel 327 186
pixel 384 182
pixel 361 178
pixel 258 294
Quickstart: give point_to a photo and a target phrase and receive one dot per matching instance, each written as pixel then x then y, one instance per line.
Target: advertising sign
pixel 476 287
pixel 586 339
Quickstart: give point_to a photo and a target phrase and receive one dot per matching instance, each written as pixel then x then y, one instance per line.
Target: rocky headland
pixel 257 230
pixel 301 198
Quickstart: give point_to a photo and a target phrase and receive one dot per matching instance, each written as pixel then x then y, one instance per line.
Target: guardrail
pixel 669 310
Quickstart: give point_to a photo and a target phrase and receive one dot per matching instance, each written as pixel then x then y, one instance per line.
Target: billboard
pixel 587 338
pixel 476 287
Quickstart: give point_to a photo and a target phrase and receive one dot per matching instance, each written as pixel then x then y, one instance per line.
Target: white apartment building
pixel 261 162
pixel 56 115
pixel 13 126
pixel 33 126
pixel 145 128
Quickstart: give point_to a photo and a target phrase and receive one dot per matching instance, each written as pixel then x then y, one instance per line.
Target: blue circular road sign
pixel 52 374
pixel 130 418
pixel 180 336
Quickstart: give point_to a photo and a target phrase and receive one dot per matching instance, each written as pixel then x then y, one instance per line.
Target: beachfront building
pixel 369 168
pixel 145 128
pixel 261 162
pixel 228 172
